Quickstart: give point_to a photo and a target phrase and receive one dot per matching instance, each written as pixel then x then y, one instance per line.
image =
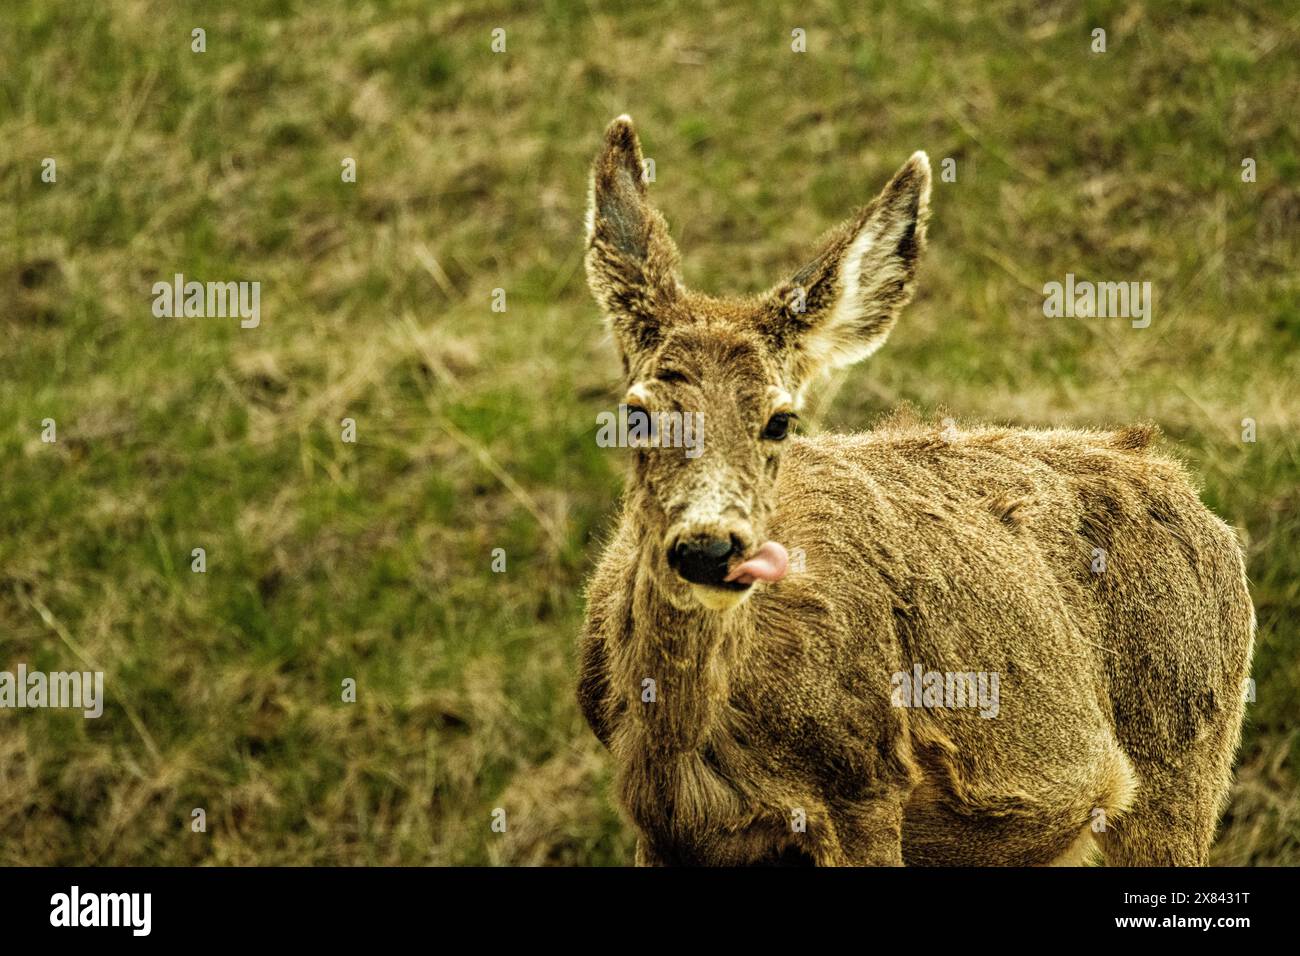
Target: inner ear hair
pixel 779 400
pixel 631 261
pixel 841 306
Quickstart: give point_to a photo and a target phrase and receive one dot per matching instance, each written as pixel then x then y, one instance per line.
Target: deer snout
pixel 705 558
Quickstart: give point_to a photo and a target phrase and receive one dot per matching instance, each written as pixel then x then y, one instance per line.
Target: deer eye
pixel 777 426
pixel 638 422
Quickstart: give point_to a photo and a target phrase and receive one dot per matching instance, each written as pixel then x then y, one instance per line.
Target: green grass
pixel 476 428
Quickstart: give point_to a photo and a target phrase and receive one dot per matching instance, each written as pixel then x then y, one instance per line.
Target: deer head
pixel 738 366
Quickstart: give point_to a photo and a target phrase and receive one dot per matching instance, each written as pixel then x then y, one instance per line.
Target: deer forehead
pixel 774 397
pixel 704 353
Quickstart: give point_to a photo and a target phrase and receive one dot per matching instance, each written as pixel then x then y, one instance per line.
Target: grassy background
pixel 476 429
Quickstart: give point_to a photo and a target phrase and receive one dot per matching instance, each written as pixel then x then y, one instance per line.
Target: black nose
pixel 703 560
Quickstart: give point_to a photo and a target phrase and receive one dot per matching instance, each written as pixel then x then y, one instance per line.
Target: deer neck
pixel 689 653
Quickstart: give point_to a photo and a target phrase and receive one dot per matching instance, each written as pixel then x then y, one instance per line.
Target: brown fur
pixel 958 549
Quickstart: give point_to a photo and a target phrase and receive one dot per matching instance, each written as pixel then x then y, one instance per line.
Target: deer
pixel 761 714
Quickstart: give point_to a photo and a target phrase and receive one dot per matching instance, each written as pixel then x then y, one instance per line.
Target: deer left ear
pixel 842 306
pixel 632 262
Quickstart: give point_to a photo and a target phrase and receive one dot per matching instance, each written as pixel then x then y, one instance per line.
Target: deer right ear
pixel 842 306
pixel 632 262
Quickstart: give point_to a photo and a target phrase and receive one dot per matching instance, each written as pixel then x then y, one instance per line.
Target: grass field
pixel 475 428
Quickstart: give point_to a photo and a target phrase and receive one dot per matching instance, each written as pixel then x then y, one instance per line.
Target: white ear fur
pixel 874 276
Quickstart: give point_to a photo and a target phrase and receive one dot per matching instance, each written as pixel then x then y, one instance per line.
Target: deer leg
pixel 1173 819
pixel 1171 823
pixel 869 833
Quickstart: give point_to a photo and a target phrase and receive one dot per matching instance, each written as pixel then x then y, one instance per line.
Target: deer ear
pixel 632 263
pixel 841 307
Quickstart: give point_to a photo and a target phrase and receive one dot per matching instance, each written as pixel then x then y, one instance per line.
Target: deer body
pixel 755 715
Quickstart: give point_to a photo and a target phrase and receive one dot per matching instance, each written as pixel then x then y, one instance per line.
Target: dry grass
pixel 475 429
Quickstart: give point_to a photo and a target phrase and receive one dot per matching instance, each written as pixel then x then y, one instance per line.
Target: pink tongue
pixel 769 563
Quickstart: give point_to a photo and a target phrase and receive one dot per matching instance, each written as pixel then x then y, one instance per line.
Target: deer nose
pixel 703 559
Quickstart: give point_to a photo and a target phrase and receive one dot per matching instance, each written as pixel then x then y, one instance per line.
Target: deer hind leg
pixel 1173 820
